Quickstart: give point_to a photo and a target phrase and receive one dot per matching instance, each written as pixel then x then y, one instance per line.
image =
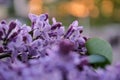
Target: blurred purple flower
pixel 45 51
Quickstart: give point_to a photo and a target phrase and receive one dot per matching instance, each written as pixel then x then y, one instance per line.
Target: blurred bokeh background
pixel 100 18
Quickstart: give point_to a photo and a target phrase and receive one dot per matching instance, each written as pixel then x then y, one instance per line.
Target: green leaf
pixel 96 59
pixel 96 46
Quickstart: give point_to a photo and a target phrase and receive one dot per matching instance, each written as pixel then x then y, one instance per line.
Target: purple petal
pixel 61 31
pixel 71 29
pixel 54 20
pixel 27 38
pixel 24 57
pixel 12 25
pixel 43 17
pixel 3 22
pixel 69 32
pixel 32 17
pixel 75 23
pixel 57 25
pixel 13 36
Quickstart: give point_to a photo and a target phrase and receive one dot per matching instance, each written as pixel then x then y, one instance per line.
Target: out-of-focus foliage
pixel 98 11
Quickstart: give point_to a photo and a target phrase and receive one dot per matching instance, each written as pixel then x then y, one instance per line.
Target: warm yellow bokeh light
pixel 77 9
pixel 107 8
pixel 88 3
pixel 94 13
pixel 35 6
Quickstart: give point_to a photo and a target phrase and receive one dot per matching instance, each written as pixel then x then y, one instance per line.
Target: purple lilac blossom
pixel 45 51
pixel 33 41
pixel 57 66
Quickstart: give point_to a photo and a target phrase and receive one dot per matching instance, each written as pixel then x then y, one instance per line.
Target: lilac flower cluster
pixel 46 51
pixel 25 42
pixel 57 66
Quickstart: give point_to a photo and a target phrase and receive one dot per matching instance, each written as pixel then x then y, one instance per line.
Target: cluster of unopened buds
pixel 46 51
